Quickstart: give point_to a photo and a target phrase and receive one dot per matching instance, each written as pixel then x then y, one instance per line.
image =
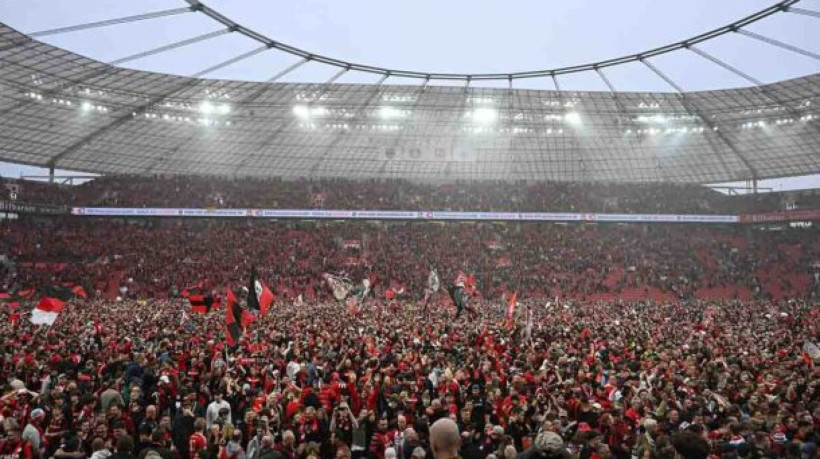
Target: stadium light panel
pixel 301 111
pixel 389 112
pixel 485 115
pixel 572 118
pixel 206 108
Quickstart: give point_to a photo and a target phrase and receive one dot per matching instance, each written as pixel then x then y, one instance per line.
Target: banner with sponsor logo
pixel 31 208
pixel 400 215
pixel 784 216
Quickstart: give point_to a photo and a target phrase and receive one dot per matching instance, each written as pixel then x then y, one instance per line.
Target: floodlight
pixel 206 108
pixel 86 106
pixel 484 115
pixel 389 112
pixel 301 111
pixel 572 118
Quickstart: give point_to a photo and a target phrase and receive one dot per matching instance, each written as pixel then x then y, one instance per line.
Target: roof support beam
pixel 170 46
pixel 692 109
pixel 270 137
pixel 803 11
pixel 110 22
pixel 622 111
pixel 157 162
pixel 230 61
pixel 290 68
pixel 96 73
pixel 251 98
pixel 779 7
pixel 359 112
pixel 582 155
pixel 779 44
pixel 255 96
pixel 555 82
pixel 121 120
pixel 402 134
pixel 336 76
pixel 760 86
pixel 724 65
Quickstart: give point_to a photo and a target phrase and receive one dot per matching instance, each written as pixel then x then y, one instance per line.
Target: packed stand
pixel 159 258
pixel 202 191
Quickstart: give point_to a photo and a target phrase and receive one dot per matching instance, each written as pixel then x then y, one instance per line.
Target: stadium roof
pixel 59 109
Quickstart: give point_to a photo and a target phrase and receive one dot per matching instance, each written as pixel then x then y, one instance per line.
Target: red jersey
pixel 197 442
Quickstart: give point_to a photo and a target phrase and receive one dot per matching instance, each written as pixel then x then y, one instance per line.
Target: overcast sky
pixel 465 36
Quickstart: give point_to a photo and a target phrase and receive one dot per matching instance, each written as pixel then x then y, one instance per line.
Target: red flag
pixel 79 291
pixel 48 304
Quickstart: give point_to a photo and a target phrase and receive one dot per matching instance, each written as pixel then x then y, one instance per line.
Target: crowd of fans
pixel 159 258
pixel 198 191
pixel 153 379
pixel 628 341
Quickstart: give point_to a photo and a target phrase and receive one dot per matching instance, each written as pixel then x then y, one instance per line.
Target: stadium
pixel 402 263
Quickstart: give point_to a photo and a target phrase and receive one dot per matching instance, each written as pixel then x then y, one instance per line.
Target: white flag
pixel 812 350
pixel 433 282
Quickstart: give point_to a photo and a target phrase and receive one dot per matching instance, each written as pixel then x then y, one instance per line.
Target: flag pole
pixel 227 362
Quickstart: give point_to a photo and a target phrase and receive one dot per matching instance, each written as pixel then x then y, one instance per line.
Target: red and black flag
pixel 259 295
pixel 201 303
pixel 63 293
pixel 236 319
pixel 197 289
